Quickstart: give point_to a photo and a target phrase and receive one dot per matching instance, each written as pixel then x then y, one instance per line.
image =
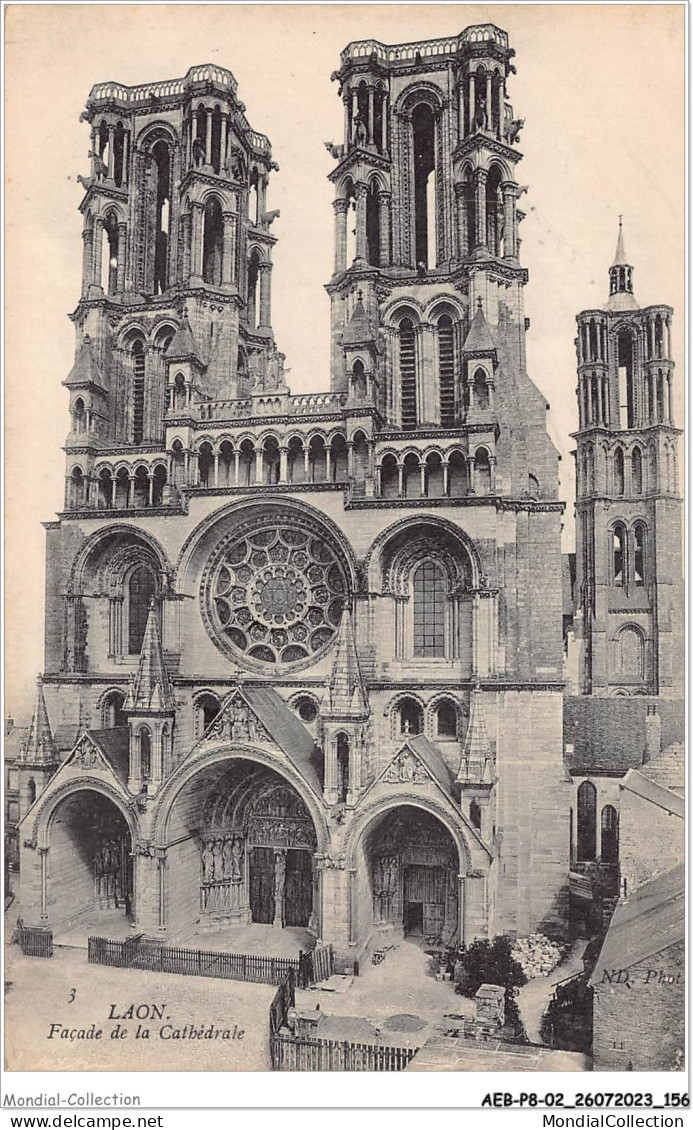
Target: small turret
pixel 344 712
pixel 621 295
pixel 150 709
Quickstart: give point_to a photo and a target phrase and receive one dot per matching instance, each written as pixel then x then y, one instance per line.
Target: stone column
pixel 371 116
pixel 122 249
pixel 328 463
pixel 187 240
pixel 384 199
pixel 43 866
pixel 131 491
pixel 111 154
pixel 208 138
pixel 258 466
pixel 361 244
pixel 347 111
pixel 216 469
pixel 471 104
pixel 97 251
pixel 354 113
pixel 341 209
pixel 489 102
pixel 279 885
pixel 461 215
pixel 265 295
pixel 150 477
pixel 481 176
pixel 197 240
pixel 161 887
pixel 87 268
pixel 509 191
pixel 283 463
pixel 228 259
pixel 383 134
pixel 460 909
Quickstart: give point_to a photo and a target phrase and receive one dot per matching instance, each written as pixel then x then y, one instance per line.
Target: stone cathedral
pixel 304 658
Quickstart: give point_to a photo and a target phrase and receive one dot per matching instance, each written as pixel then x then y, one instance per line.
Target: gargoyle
pixel 512 130
pixel 268 218
pixel 336 151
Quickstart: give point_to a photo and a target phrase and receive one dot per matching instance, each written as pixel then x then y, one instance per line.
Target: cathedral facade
pixel 304 657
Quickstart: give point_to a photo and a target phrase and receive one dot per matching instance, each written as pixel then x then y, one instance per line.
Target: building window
pixel 429 611
pixel 112 713
pixel 446 720
pixel 407 369
pixel 31 787
pixel 639 554
pixel 306 708
pixel 145 754
pixel 619 554
pixel 636 471
pixel 425 208
pixel 12 812
pixel 446 371
pixel 631 652
pixel 410 716
pixel 343 766
pixel 586 822
pixel 141 589
pixel 138 391
pixel 619 477
pixel 609 850
pixel 206 709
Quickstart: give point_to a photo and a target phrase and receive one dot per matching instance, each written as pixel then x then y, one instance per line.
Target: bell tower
pixel 426 218
pixel 628 508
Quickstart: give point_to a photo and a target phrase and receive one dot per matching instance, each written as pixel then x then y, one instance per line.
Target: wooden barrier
pixel 34 941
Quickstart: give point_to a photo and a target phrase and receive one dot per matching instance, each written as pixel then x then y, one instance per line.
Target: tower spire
pixel 40 749
pixel 621 295
pixel 150 690
pixel 346 692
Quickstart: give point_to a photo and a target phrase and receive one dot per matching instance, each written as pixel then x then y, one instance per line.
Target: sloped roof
pixel 358 329
pixel 620 258
pixel 40 749
pixel 479 339
pixel 115 746
pixel 636 782
pixel 286 729
pixel 646 923
pixel 182 346
pixel 85 369
pixel 346 692
pixel 432 759
pixel 608 734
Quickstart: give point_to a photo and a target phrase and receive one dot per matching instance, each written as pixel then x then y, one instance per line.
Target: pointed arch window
pixel 446 720
pixel 373 224
pixel 212 243
pixel 343 766
pixel 639 564
pixel 631 652
pixel 619 554
pixel 619 474
pixel 429 610
pixel 141 589
pixel 636 471
pixel 138 374
pixel 609 844
pixel 407 367
pixel 587 822
pixel 31 787
pixel 252 311
pixel 162 172
pixel 425 204
pixel 446 371
pixel 410 715
pixel 145 753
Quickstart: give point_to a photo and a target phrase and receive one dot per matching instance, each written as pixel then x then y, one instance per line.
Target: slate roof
pixel 40 749
pixel 651 920
pixel 85 369
pixel 432 759
pixel 182 346
pixel 345 694
pixel 479 339
pixel 358 329
pixel 150 690
pixel 115 746
pixel 287 730
pixel 608 734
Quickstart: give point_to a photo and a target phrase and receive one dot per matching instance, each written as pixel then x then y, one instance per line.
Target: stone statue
pixel 361 134
pixel 237 860
pixel 512 130
pixel 198 152
pixel 480 119
pixel 227 857
pixel 279 885
pixel 217 860
pixel 100 168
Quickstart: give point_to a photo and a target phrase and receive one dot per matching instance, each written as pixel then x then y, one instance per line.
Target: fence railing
pixel 142 953
pixel 310 1053
pixel 34 941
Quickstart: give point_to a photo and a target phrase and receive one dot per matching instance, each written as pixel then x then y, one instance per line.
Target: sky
pixel 600 88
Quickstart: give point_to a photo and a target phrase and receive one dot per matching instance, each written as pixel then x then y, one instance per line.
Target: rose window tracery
pixel 275 592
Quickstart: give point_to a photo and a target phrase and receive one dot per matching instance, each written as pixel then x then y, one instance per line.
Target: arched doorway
pixel 412 864
pixel 89 870
pixel 246 839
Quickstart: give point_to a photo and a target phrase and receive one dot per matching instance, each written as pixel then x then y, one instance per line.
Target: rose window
pixel 275 593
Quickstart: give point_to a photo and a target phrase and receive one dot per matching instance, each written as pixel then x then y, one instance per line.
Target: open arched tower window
pixel 145 740
pixel 112 713
pixel 373 224
pixel 425 204
pixel 639 562
pixel 407 369
pixel 619 472
pixel 253 290
pixel 619 555
pixel 626 378
pixel 212 243
pixel 161 172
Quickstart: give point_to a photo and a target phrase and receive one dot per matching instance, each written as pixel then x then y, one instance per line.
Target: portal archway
pixel 242 839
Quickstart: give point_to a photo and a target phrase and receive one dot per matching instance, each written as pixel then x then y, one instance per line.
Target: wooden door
pixel 298 892
pixel 262 885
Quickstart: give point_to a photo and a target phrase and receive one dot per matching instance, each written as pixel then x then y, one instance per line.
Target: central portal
pixel 256 851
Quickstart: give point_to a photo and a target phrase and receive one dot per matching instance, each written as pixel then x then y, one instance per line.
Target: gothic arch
pixel 375 561
pixel 51 799
pixel 371 812
pixel 86 553
pixel 420 92
pixel 158 130
pixel 217 755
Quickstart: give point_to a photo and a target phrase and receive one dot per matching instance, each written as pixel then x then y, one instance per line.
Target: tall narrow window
pixel 162 172
pixel 446 362
pixel 145 754
pixel 140 593
pixel 109 264
pixel 373 225
pixel 253 290
pixel 407 366
pixel 446 720
pixel 619 477
pixel 626 385
pixel 410 717
pixel 639 554
pixel 619 553
pixel 213 241
pixel 636 471
pixel 138 391
pixel 423 128
pixel 631 653
pixel 586 822
pixel 609 847
pixel 429 611
pixel 343 766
